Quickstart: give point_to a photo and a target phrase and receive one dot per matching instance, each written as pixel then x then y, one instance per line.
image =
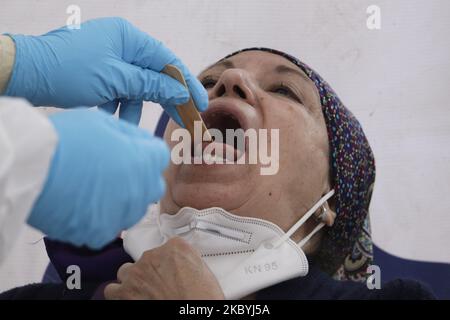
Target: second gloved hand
pixel 104 174
pixel 106 62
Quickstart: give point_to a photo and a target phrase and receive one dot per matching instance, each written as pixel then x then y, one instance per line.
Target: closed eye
pixel 208 82
pixel 284 90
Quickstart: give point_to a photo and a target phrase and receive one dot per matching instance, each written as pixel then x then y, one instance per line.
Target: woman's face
pixel 264 91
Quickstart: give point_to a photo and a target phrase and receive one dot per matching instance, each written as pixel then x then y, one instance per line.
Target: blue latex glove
pixel 105 62
pixel 104 174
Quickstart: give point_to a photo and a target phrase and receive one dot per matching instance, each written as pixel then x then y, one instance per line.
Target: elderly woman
pixel 248 239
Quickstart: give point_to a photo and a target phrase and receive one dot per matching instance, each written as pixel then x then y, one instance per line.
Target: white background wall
pixel 396 80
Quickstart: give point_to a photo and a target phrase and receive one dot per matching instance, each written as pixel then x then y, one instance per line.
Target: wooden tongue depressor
pixel 188 112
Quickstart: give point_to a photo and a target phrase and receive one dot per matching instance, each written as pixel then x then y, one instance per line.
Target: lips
pixel 227 113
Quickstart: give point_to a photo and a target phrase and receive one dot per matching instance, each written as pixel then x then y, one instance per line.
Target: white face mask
pixel 245 254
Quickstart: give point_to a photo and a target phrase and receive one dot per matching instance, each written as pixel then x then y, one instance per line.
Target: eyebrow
pixel 227 64
pixel 280 69
pixel 283 69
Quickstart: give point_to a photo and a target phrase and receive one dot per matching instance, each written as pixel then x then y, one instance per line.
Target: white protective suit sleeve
pixel 27 143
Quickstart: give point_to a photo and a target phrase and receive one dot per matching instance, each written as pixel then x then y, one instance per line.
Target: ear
pixel 327 212
pixel 329 215
pixel 330 206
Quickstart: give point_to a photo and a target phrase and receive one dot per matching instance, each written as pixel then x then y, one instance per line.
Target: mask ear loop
pixel 303 219
pixel 311 234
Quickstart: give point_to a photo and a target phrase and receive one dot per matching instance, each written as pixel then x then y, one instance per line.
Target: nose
pixel 234 83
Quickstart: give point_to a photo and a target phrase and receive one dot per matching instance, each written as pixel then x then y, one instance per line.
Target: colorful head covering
pixel 346 249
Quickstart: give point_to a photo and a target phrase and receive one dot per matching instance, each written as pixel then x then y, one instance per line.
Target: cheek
pixel 308 163
pixel 302 147
pixel 292 123
pixel 295 144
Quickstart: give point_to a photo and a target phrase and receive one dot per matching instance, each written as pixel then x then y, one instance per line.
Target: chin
pixel 214 193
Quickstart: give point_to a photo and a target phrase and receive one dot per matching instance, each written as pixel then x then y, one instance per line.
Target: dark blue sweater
pixel 316 285
pixel 99 267
pixel 319 286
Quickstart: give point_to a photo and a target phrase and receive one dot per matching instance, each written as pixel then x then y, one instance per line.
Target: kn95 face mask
pixel 245 254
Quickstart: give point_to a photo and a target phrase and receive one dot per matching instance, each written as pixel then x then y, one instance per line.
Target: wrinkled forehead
pixel 258 63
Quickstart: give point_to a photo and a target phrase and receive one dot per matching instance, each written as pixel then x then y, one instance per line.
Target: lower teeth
pixel 210 159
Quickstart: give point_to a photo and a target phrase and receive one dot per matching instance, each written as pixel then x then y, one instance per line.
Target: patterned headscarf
pixel 346 249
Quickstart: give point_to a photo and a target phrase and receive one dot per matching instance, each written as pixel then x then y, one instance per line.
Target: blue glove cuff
pixel 25 77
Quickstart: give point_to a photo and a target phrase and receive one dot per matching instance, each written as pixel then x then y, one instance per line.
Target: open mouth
pixel 222 120
pixel 228 143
